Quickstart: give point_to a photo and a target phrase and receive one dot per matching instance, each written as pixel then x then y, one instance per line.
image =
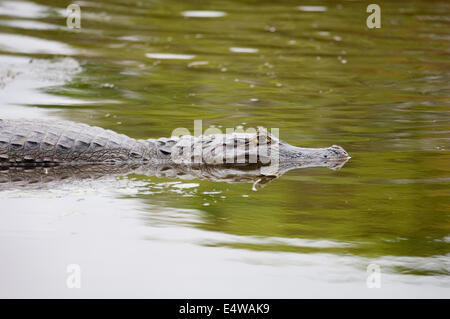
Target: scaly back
pixel 25 142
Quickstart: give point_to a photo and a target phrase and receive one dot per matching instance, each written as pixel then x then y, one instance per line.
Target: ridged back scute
pixel 41 141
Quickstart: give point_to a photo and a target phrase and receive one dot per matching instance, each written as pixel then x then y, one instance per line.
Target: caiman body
pixel 29 143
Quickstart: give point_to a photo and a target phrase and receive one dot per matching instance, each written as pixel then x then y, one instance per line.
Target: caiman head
pixel 283 156
pixel 241 156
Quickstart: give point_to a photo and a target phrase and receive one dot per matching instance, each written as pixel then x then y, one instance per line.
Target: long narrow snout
pixel 292 153
pixel 333 157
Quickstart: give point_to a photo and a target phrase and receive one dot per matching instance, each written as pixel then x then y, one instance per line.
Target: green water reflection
pixel 321 77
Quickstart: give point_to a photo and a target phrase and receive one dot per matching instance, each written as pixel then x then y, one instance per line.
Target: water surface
pixel 313 70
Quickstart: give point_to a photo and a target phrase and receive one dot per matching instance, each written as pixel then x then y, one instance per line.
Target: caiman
pixel 231 157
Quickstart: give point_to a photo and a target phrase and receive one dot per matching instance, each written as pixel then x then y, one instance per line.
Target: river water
pixel 312 69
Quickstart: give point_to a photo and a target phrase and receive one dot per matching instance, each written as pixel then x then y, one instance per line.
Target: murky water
pixel 315 71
